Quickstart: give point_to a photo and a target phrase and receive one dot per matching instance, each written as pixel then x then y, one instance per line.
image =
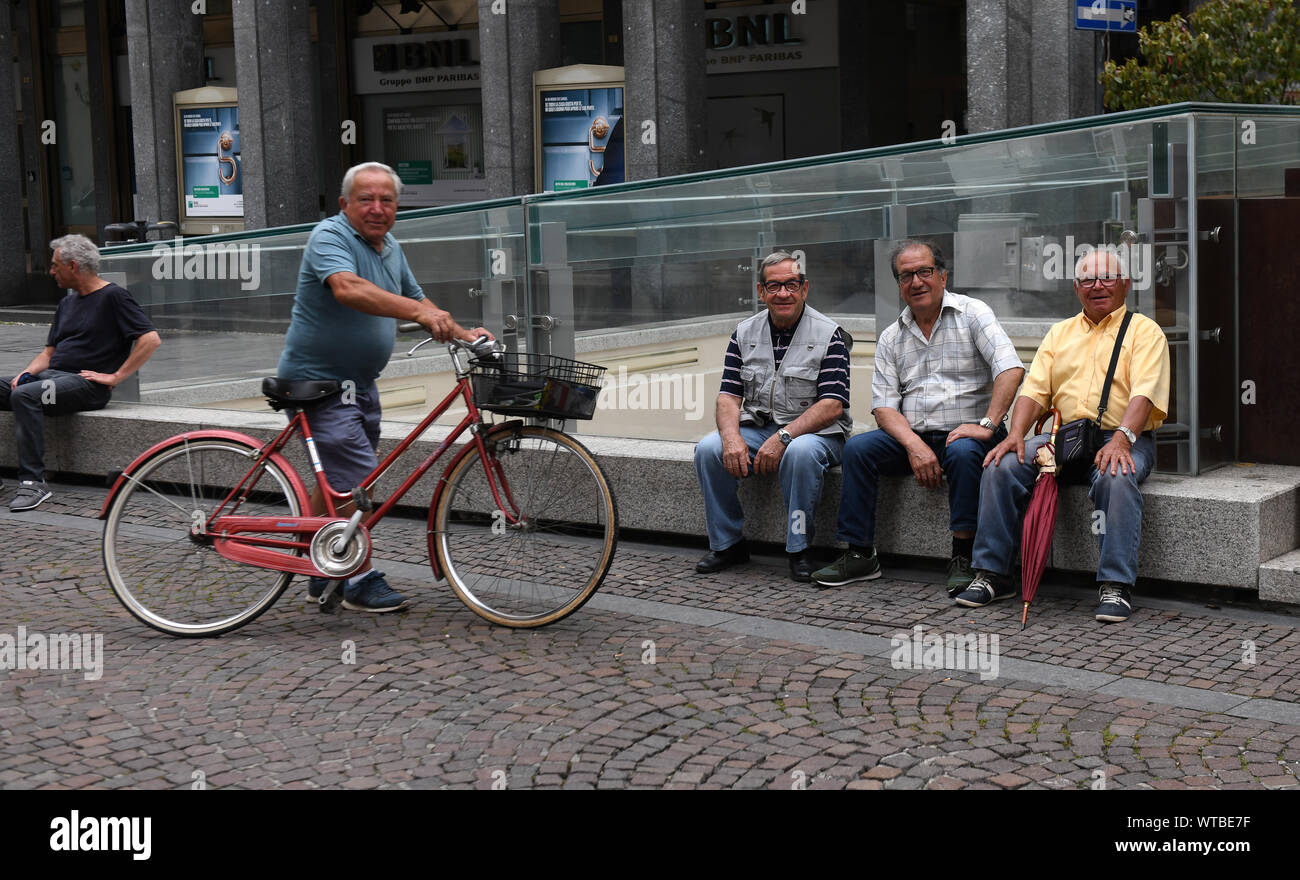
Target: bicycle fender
pixel 304 497
pixel 512 425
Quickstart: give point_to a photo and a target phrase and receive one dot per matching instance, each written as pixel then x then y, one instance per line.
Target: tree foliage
pixel 1228 51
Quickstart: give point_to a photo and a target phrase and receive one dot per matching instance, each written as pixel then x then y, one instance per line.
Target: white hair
pixel 78 249
pixel 1114 254
pixel 350 177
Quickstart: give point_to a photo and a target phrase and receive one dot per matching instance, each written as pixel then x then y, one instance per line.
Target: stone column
pixel 519 38
pixel 997 54
pixel 663 57
pixel 1027 63
pixel 13 258
pixel 277 133
pixel 99 64
pixel 331 61
pixel 165 47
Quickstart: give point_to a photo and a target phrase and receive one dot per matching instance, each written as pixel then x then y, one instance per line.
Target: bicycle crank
pixel 336 557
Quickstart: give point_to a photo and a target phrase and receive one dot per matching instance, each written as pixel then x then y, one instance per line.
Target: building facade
pixel 228 114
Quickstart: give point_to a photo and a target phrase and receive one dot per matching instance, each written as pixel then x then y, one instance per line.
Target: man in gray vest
pixel 783 409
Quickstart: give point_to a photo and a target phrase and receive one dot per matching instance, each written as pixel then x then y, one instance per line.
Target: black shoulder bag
pixel 1077 442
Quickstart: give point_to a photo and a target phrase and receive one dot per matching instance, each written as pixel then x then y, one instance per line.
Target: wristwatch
pixel 785 437
pixel 1132 438
pixel 986 422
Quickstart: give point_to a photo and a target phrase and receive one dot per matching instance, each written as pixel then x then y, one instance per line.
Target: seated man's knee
pixel 806 450
pixel 964 453
pixel 1104 482
pixel 710 448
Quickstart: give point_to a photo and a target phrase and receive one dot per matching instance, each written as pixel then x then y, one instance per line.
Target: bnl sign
pixel 1119 16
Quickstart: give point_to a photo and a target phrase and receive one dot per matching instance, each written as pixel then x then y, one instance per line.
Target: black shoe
pixel 985 589
pixel 717 560
pixel 801 567
pixel 1116 603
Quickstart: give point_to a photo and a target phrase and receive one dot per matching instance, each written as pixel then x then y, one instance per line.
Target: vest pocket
pixel 801 385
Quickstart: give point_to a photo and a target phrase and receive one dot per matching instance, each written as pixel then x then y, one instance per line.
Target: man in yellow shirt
pixel 1069 373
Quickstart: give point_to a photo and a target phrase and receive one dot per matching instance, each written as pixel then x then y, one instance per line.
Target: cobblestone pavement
pixel 664 680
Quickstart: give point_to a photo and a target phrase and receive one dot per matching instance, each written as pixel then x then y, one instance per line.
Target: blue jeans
pixel 1005 492
pixel 869 456
pixel 802 470
pixel 50 393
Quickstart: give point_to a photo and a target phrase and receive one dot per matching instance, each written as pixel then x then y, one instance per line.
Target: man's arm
pixel 1004 390
pixel 357 293
pixel 145 346
pixel 924 463
pixel 39 363
pixel 1116 454
pixel 735 454
pixel 1026 413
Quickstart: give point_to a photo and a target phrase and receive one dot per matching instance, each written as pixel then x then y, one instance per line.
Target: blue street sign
pixel 1117 16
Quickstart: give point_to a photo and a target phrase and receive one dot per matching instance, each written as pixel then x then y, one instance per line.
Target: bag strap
pixel 1114 362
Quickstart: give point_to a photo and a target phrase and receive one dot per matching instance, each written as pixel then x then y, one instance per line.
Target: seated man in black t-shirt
pixel 88 352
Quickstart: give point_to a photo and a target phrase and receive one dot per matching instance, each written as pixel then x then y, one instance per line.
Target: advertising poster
pixel 582 137
pixel 211 176
pixel 437 151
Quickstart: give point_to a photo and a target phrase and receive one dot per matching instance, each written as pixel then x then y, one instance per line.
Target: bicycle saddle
pixel 296 392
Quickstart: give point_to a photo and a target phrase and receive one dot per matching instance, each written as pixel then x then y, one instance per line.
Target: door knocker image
pixel 599 129
pixel 225 142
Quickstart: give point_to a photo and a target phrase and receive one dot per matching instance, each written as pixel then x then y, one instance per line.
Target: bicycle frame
pixel 230 532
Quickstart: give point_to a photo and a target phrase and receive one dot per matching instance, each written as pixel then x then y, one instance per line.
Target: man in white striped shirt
pixel 945 375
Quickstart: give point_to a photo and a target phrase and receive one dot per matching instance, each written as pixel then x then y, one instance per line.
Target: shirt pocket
pixel 801 384
pixel 749 378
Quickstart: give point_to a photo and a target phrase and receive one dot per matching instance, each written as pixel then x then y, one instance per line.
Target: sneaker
pixel 372 593
pixel 1116 603
pixel 959 576
pixel 849 568
pixel 30 494
pixel 985 589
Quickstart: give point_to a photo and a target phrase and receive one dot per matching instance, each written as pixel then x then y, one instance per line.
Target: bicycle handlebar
pixel 484 346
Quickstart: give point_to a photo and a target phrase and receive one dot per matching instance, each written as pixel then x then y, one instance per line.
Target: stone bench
pixel 1219 528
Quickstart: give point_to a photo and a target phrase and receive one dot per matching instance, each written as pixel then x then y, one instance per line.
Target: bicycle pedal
pixel 332 598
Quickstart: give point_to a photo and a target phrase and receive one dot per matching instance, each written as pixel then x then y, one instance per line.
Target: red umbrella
pixel 1040 516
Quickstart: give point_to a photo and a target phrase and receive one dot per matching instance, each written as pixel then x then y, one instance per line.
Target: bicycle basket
pixel 536 385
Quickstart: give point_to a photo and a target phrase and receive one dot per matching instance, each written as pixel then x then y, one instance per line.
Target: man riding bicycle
pixel 353 285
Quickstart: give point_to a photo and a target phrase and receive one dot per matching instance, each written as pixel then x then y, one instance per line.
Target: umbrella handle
pixel 1055 415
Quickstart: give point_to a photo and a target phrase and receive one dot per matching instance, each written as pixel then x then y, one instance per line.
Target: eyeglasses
pixel 924 274
pixel 792 286
pixel 1103 280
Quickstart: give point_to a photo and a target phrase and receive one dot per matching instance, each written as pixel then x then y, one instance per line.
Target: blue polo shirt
pixel 326 339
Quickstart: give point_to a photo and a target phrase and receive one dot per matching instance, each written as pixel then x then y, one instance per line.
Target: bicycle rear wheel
pixel 174 580
pixel 539 552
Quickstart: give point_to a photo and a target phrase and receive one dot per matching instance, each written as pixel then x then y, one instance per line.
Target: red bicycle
pixel 205 530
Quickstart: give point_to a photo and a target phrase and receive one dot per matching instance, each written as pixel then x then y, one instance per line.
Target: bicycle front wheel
pixel 536 549
pixel 171 578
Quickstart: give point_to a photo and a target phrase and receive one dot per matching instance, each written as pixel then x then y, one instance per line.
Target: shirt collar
pixel 789 330
pixel 1108 321
pixel 347 224
pixel 950 301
